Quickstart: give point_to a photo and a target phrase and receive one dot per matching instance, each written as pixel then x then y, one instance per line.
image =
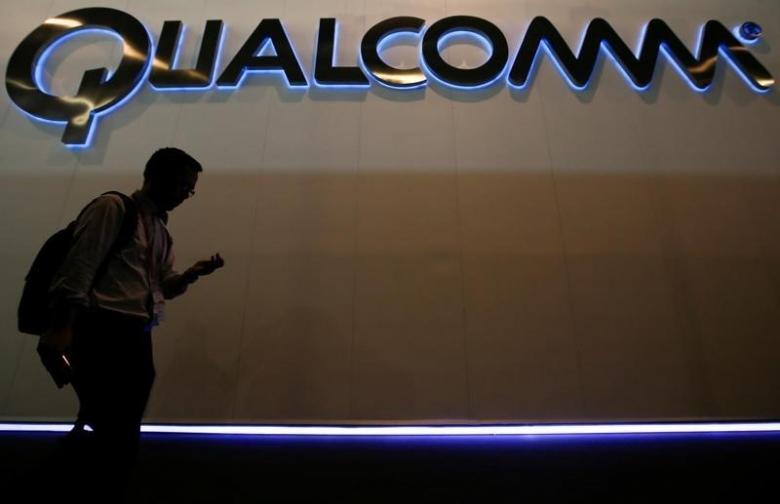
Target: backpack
pixel 35 312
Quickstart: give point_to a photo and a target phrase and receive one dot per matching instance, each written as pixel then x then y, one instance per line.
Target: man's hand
pixel 207 267
pixel 53 349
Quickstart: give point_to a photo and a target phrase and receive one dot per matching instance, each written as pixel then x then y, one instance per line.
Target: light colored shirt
pixel 137 279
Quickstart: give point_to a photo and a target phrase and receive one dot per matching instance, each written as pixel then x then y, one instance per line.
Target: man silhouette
pixel 108 297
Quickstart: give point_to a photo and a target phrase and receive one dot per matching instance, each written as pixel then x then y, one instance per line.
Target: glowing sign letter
pixel 268 31
pixel 699 70
pixel 324 72
pixel 483 75
pixel 97 93
pixel 165 77
pixel 381 71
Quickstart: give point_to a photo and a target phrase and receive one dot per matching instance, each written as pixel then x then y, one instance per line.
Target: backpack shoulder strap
pixel 129 222
pixel 126 232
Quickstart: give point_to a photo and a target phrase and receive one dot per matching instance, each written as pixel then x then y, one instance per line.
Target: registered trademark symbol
pixel 751 31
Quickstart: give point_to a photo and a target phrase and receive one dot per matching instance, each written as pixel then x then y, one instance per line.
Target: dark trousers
pixel 113 373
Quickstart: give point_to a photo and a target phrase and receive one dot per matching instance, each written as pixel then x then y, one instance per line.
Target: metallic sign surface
pixel 381 71
pixel 325 73
pixel 98 92
pixel 465 77
pixel 700 71
pixel 285 61
pixel 163 74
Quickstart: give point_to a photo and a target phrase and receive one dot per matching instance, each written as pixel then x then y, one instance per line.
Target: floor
pixel 607 468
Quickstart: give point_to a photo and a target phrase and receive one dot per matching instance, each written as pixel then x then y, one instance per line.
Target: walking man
pixel 109 294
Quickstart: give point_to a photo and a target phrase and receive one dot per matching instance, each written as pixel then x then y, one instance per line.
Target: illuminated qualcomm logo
pixel 101 91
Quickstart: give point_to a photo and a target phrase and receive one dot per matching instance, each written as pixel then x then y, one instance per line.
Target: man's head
pixel 170 177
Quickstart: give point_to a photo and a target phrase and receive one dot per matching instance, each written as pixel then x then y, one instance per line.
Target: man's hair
pixel 169 162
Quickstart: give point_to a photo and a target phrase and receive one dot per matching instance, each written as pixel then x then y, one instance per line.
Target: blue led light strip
pixel 430 431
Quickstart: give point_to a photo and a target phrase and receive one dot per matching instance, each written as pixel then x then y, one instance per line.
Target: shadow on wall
pixel 464 297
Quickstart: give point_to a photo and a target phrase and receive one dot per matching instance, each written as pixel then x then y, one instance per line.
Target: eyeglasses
pixel 188 189
pixel 181 185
